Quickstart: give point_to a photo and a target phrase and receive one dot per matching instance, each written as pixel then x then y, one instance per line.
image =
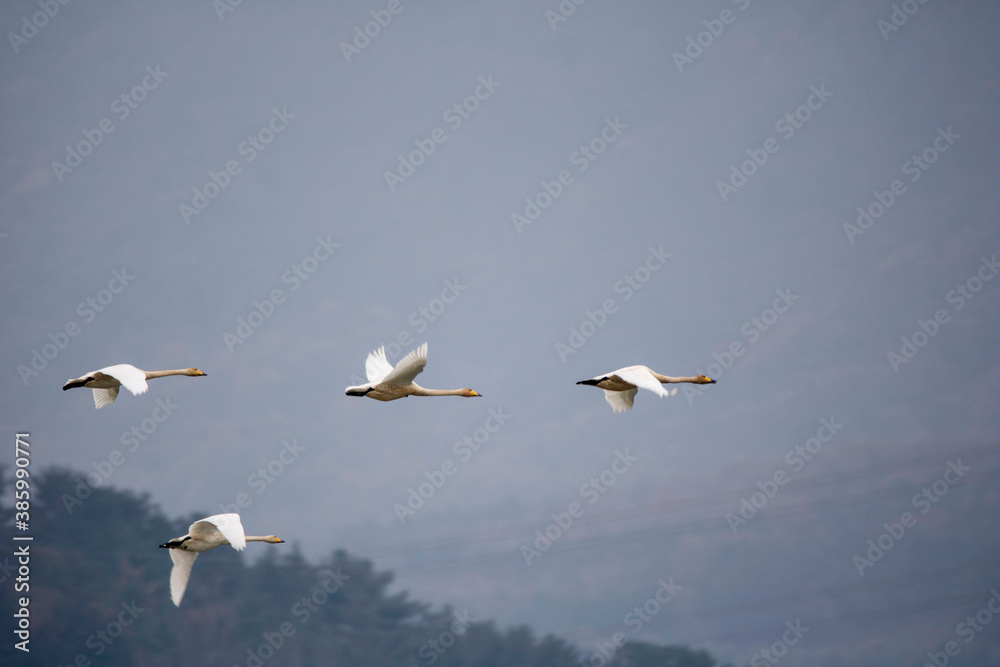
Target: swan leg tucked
pixel 621 386
pixel 204 535
pixel 387 382
pixel 106 381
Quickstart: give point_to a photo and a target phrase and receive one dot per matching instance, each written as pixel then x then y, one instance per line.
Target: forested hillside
pixel 99 595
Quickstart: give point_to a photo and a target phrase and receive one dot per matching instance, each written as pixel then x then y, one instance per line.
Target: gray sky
pixel 250 154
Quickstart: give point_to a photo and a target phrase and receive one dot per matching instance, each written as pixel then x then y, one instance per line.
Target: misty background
pixel 249 157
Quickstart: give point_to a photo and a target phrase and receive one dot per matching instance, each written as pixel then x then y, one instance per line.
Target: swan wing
pixel 227 524
pixel 179 575
pixel 643 378
pixel 104 397
pixel 621 401
pixel 377 366
pixel 129 376
pixel 409 367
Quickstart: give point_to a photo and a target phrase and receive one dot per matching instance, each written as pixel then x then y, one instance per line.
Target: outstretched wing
pixel 128 375
pixel 409 367
pixel 227 524
pixel 377 366
pixel 643 378
pixel 621 401
pixel 179 575
pixel 104 397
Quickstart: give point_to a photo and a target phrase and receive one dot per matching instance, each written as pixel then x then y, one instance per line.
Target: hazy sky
pixel 799 201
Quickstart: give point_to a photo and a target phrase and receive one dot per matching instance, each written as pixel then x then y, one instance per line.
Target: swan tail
pixel 72 384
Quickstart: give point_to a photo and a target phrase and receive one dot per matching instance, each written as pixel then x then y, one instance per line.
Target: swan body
pixel 106 381
pixel 387 383
pixel 203 535
pixel 621 386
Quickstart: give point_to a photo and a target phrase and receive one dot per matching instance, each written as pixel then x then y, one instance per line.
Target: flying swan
pixel 620 386
pixel 106 381
pixel 386 383
pixel 208 533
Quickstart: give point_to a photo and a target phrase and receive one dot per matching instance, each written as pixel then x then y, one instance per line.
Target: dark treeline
pixel 99 594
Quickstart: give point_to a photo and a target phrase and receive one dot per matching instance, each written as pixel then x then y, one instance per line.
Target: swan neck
pixel 150 375
pixel 421 391
pixel 666 379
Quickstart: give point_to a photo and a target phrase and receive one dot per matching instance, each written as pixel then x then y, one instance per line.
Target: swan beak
pixel 711 381
pixel 280 541
pixel 202 373
pixel 476 393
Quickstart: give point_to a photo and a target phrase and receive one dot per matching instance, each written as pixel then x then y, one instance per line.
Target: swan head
pixel 468 393
pixel 194 372
pixel 273 539
pixel 704 379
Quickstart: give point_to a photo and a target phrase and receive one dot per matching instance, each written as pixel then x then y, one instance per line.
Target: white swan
pixel 621 386
pixel 386 383
pixel 208 533
pixel 106 381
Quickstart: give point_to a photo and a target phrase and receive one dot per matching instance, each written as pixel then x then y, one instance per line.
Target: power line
pixel 659 532
pixel 824 594
pixel 687 504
